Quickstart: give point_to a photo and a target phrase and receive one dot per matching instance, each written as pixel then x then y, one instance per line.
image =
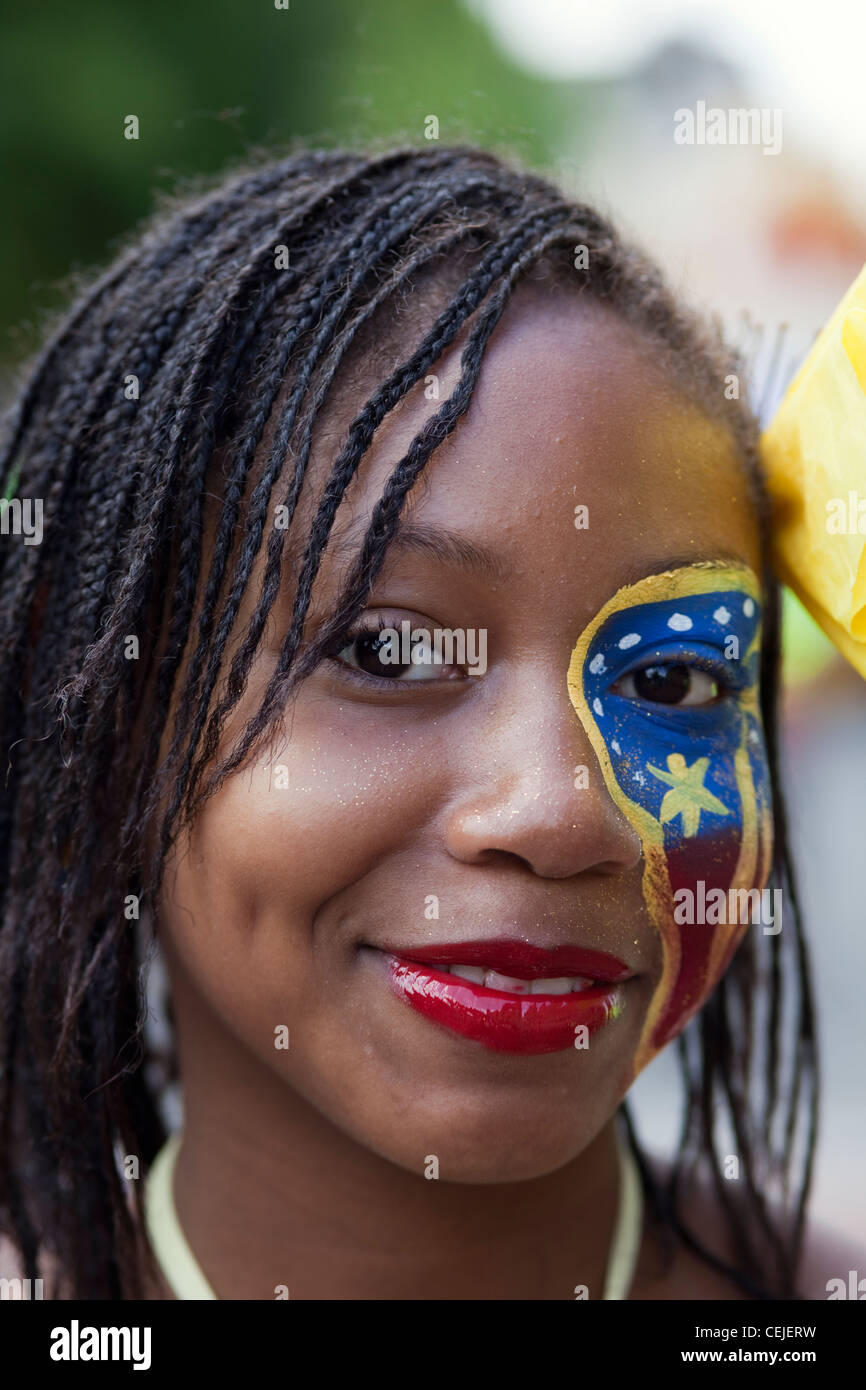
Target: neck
pixel 270 1193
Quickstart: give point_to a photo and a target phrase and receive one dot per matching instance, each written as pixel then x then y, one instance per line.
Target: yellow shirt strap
pixel 186 1279
pixel 179 1265
pixel 628 1228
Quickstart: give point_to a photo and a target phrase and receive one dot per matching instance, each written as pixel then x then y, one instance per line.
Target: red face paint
pixel 691 777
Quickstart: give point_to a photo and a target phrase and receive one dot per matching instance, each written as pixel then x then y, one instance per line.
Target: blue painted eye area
pixel 653 651
pixel 672 687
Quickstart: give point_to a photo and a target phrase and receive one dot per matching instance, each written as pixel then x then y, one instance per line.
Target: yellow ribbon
pixel 814 455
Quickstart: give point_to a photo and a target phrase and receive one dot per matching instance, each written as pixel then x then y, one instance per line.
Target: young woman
pixel 417 894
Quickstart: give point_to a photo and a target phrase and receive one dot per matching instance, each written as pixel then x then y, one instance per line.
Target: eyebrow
pixel 447 546
pixel 635 573
pixel 451 548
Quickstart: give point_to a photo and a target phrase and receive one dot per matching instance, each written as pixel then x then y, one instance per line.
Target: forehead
pixel 573 408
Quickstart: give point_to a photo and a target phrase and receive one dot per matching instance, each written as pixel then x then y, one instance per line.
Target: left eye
pixel 669 684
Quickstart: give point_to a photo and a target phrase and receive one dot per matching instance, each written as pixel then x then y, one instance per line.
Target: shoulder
pixel 11 1264
pixel 832 1265
pixel 14 1271
pixel 671 1269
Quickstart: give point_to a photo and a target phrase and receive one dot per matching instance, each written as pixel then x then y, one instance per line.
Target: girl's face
pixel 592 536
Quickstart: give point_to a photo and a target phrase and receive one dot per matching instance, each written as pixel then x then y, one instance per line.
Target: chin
pixel 485 1137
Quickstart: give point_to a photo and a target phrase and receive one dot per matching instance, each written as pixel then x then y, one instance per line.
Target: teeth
pixel 477 975
pixel 494 981
pixel 559 986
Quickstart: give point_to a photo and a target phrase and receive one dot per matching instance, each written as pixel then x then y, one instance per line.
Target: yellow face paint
pixel 692 778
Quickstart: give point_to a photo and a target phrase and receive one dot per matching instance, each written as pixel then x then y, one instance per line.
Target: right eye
pixel 670 684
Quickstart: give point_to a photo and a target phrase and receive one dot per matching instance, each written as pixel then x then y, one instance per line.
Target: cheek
pixel 283 837
pixel 702 909
pixel 696 788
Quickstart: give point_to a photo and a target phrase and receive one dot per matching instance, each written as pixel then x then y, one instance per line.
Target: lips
pixel 518 998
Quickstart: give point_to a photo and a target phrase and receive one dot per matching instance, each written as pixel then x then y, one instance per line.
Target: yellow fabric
pixel 181 1269
pixel 628 1229
pixel 187 1280
pixel 815 458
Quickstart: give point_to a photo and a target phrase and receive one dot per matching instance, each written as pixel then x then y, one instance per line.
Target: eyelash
pixel 364 678
pixel 727 688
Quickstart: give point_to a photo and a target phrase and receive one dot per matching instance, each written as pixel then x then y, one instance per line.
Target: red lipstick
pixel 517 1018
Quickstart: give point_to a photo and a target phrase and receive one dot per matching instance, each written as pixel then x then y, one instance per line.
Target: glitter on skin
pixel 703 813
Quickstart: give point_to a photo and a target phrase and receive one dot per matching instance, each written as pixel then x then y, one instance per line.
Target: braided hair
pixel 235 315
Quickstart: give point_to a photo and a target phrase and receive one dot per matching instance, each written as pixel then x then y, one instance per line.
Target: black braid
pixel 344 469
pixel 204 689
pixel 237 361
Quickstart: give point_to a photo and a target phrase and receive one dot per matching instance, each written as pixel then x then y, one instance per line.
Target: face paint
pixel 692 779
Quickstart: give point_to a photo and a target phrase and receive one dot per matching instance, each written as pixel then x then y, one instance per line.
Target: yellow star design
pixel 688 796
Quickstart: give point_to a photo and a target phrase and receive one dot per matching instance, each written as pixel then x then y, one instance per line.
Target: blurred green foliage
pixel 210 81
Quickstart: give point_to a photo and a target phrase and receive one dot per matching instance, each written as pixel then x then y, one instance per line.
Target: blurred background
pixel 767 238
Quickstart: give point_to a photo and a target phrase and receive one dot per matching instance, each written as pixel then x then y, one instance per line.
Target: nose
pixel 536 791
